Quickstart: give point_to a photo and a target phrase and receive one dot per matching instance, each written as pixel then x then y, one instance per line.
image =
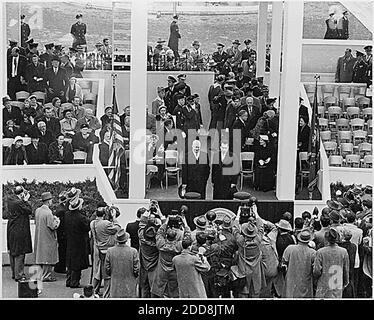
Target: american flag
pixel 116 146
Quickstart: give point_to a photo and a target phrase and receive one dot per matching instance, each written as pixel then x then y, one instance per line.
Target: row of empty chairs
pixel 351 160
pixel 21 96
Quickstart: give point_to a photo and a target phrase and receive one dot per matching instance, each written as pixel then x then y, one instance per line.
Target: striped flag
pixel 116 146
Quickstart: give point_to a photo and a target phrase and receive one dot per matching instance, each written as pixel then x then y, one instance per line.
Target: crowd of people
pixel 167 57
pixel 239 255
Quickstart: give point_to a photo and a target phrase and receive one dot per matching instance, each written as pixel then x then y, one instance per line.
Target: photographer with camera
pixel 169 243
pixel 248 274
pixel 103 231
pixel 18 231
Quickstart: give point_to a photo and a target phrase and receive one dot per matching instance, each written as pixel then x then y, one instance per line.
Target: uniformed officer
pixel 220 56
pixel 248 49
pixel 174 37
pixel 46 57
pixel 369 60
pixel 78 31
pixel 25 31
pixel 360 69
pixel 33 50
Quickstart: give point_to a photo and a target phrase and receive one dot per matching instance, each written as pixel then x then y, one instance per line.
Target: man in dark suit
pixel 220 56
pixel 360 69
pixel 191 116
pixel 215 91
pixel 25 31
pixel 303 110
pixel 11 112
pixel 241 124
pixel 342 26
pixel 344 68
pixel 35 75
pixel 225 170
pixel 196 170
pixel 174 36
pixel 133 227
pixel 253 112
pixel 169 92
pixel 46 57
pixel 16 67
pixel 182 79
pixel 248 49
pixel 45 136
pixel 57 80
pixel 78 31
pixel 53 123
pixel 36 151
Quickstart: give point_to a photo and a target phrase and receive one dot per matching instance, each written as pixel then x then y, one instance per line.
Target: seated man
pixel 104 150
pixel 78 111
pixel 89 118
pixel 45 136
pixel 84 141
pixel 37 152
pixel 53 124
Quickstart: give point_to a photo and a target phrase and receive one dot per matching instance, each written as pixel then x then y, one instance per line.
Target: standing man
pixel 169 92
pixel 78 31
pixel 248 50
pixel 46 252
pixel 249 66
pixel 46 57
pixel 182 81
pixel 25 31
pixel 18 231
pixel 189 267
pixel 16 67
pixel 56 80
pixel 342 26
pixel 331 268
pixel 360 69
pixel 220 56
pixel 344 68
pixel 61 209
pixel 299 259
pixel 369 60
pixel 122 265
pixel 214 93
pixel 234 55
pixel 132 229
pixel 174 37
pixel 196 170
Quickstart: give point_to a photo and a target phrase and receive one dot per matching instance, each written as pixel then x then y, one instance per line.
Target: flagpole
pixel 313 147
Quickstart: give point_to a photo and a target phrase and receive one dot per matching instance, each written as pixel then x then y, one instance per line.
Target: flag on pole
pixel 314 145
pixel 116 146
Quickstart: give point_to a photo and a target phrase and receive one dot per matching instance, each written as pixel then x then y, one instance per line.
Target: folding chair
pixel 352 160
pixel 359 92
pixel 342 124
pixel 369 129
pixel 344 92
pixel 323 124
pixel 359 136
pixel 353 112
pixel 171 165
pixel 327 90
pixel 367 113
pixel 344 136
pixel 330 147
pixel 325 135
pixel 321 110
pixel 22 95
pixel 80 156
pixel 330 101
pixel 348 102
pixel 357 124
pixel 363 102
pixel 364 148
pixel 368 161
pixel 335 161
pixel 346 148
pixel 334 113
pixel 247 160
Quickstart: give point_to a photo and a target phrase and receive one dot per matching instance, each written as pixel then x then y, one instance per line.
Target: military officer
pixel 78 31
pixel 25 31
pixel 46 57
pixel 369 60
pixel 174 37
pixel 220 56
pixel 248 50
pixel 360 69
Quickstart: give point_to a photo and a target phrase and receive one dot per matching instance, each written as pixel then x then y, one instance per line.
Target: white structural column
pixel 138 85
pixel 276 49
pixel 288 122
pixel 261 37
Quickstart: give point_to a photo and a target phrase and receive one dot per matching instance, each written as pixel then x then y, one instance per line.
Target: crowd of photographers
pixel 224 255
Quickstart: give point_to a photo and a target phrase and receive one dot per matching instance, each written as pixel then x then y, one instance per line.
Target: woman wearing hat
pixel 77 227
pixel 264 178
pixel 68 122
pixel 299 261
pixel 303 134
pixel 331 25
pixel 16 153
pixel 197 56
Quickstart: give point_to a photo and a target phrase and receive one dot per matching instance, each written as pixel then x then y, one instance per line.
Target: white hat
pixel 264 137
pixel 17 138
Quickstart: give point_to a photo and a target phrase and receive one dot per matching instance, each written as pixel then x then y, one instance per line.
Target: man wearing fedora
pixel 201 223
pixel 248 237
pixel 234 55
pixel 174 36
pixel 189 266
pixel 77 226
pixel 197 55
pixel 56 80
pixel 122 265
pixel 331 268
pixel 298 259
pixel 18 231
pixel 45 244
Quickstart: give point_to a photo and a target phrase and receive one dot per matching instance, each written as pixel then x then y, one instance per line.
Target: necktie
pixel 55 69
pixel 15 66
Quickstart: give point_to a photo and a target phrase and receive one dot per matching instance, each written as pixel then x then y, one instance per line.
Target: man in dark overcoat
pixel 77 226
pixel 174 36
pixel 16 66
pixel 61 209
pixel 344 68
pixel 56 80
pixel 18 231
pixel 35 75
pixel 360 69
pixel 78 31
pixel 196 170
pixel 25 31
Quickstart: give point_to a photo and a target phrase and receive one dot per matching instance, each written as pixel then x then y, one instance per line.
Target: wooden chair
pixel 364 148
pixel 352 160
pixel 246 168
pixel 325 135
pixel 22 95
pixel 369 129
pixel 330 101
pixel 80 157
pixel 344 136
pixel 304 169
pixel 353 112
pixel 40 96
pixel 330 147
pixel 151 171
pixel 335 161
pixel 7 142
pixel 367 113
pixel 344 92
pixel 348 102
pixel 346 148
pixel 359 136
pixel 357 124
pixel 342 124
pixel 321 110
pixel 323 124
pixel 368 161
pixel 18 104
pixel 90 98
pixel 334 113
pixel 327 90
pixel 363 102
pixel 359 92
pixel 171 165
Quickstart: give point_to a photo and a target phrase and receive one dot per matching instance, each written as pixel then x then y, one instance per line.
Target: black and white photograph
pixel 164 150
